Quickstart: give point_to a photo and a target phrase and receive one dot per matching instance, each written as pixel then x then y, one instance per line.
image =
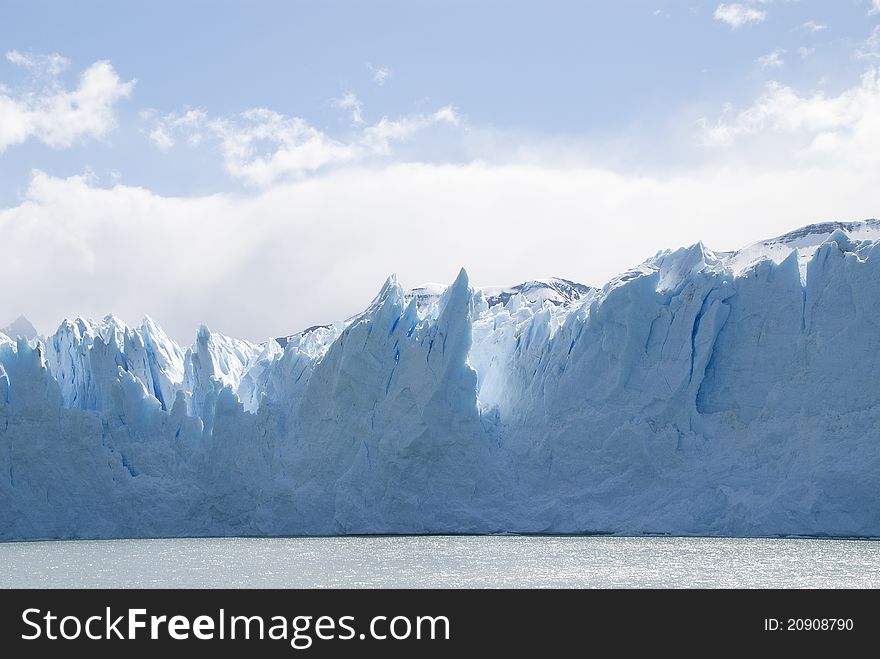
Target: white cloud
pixel 378 138
pixel 258 146
pixel 771 60
pixel 809 126
pixel 380 74
pixel 737 15
pixel 261 147
pixel 870 49
pixel 57 116
pixel 191 123
pixel 350 102
pixel 875 7
pixel 161 138
pixel 297 149
pixel 805 51
pixel 812 27
pixel 39 65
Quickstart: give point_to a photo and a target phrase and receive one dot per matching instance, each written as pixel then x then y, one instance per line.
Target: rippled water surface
pixel 443 561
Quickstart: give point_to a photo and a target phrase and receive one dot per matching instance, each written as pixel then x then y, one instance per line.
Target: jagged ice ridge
pixel 699 393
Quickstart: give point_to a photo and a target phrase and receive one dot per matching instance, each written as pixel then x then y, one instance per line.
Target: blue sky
pixel 295 148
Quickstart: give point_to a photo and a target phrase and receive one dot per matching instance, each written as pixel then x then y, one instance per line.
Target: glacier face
pixel 700 393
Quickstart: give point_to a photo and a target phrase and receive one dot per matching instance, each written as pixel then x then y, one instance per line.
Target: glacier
pixel 700 393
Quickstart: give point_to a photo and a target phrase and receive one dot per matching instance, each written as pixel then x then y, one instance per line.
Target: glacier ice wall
pixel 699 393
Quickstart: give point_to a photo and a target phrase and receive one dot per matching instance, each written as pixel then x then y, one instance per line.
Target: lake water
pixel 443 561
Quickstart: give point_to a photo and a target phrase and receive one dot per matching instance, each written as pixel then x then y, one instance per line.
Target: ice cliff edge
pixel 718 393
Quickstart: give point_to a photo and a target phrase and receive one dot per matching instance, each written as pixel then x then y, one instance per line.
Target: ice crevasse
pixel 714 393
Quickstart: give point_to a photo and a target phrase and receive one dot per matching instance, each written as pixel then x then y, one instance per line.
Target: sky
pixel 261 167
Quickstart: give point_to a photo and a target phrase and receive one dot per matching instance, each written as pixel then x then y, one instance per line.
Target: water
pixel 442 561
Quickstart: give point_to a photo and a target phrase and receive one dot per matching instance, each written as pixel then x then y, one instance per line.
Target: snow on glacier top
pixel 555 290
pixel 804 240
pixel 20 327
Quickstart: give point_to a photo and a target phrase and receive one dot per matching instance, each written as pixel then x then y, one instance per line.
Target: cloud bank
pixel 314 251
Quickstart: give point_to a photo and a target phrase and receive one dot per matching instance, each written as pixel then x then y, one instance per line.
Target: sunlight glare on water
pixel 443 562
